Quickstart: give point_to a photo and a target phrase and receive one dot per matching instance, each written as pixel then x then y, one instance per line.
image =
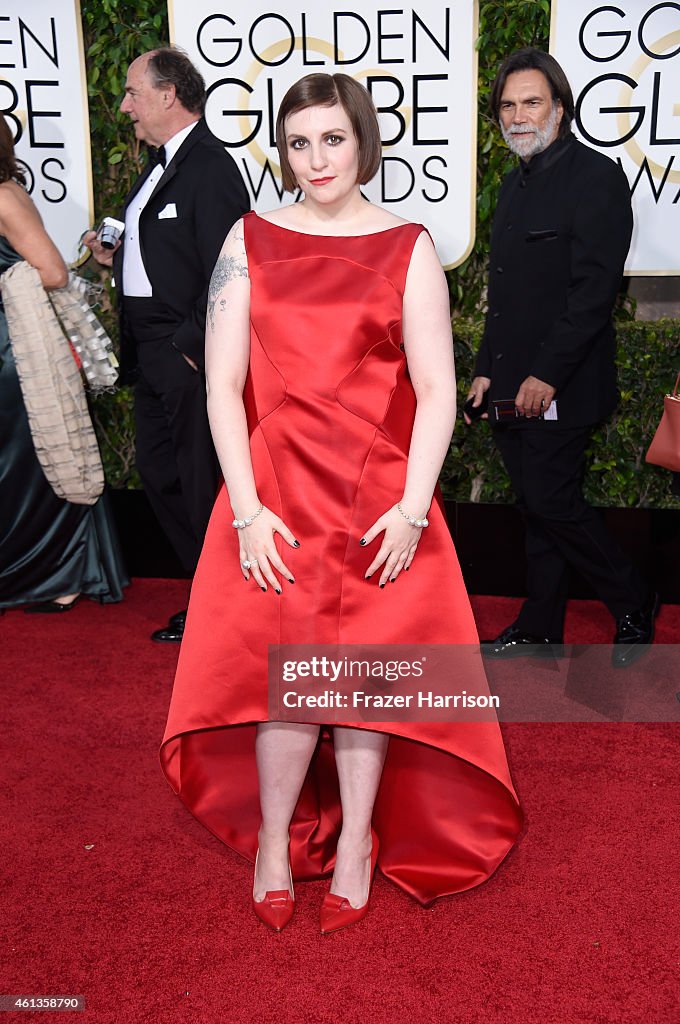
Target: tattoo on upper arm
pixel 227 269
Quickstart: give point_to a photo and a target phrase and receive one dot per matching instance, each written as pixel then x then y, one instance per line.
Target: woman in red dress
pixel 331 395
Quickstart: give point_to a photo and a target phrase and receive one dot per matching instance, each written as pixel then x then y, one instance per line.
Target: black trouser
pixel 174 450
pixel 546 466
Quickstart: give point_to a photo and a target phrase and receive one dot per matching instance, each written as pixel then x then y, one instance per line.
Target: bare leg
pixel 283 751
pixel 359 755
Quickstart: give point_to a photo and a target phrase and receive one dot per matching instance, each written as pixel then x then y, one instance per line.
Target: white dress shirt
pixel 136 282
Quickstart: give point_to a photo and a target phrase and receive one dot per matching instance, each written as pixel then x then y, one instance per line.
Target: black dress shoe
pixel 178 619
pixel 635 634
pixel 168 634
pixel 513 642
pixel 52 607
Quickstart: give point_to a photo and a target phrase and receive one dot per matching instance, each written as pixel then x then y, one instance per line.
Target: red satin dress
pixel 330 410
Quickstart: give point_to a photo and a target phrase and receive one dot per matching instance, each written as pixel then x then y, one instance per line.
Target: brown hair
pixel 531 59
pixel 321 90
pixel 9 170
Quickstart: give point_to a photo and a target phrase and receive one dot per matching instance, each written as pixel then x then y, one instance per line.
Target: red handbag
pixel 665 447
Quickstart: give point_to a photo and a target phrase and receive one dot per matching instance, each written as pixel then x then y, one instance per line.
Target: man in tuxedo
pixel 561 233
pixel 176 216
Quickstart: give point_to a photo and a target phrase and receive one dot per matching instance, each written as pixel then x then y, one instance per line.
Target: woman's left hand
pixel 398 547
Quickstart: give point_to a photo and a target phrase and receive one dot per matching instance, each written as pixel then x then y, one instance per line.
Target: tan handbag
pixel 52 389
pixel 665 447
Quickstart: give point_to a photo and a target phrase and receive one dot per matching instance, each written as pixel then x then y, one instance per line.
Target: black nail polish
pixel 290 580
pixel 368 577
pixel 279 592
pixel 296 543
pixel 263 589
pixel 382 586
pixel 393 579
pixel 406 568
pixel 362 542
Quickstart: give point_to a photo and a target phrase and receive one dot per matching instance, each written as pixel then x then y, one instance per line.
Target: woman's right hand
pixel 256 546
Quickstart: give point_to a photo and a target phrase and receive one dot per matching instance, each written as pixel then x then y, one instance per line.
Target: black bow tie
pixel 159 156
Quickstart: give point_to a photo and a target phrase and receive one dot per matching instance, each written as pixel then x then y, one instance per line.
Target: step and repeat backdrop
pixel 43 97
pixel 420 65
pixel 623 63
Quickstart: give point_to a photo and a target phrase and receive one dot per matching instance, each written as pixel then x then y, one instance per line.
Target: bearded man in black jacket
pixel 560 237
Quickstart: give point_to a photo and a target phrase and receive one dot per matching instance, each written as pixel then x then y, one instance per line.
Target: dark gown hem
pixel 102 597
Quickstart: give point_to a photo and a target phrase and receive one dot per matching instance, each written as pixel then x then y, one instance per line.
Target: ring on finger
pixel 249 564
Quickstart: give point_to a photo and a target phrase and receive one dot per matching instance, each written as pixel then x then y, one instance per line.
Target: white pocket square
pixel 168 212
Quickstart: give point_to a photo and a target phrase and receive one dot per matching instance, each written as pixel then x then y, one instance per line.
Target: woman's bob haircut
pixel 328 91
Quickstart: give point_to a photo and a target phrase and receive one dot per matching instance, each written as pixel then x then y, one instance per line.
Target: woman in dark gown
pixel 51 551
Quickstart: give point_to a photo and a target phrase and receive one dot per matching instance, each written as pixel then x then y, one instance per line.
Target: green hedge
pixel 648 361
pixel 116 31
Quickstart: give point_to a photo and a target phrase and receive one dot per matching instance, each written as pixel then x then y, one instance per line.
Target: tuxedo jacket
pixel 181 231
pixel 560 237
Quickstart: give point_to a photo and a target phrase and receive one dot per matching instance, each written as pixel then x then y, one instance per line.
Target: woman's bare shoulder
pixel 12 192
pixel 10 207
pixel 12 196
pixel 15 203
pixel 382 218
pixel 284 216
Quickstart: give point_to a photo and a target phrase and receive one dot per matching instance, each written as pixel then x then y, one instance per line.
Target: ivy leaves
pixel 504 26
pixel 116 31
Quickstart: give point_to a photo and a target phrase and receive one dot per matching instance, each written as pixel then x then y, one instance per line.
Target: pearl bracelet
pixel 420 523
pixel 240 524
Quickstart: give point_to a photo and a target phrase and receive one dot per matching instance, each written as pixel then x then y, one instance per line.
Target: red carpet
pixel 113 892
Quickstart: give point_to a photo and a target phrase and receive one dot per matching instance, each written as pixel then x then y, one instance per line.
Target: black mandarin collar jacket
pixel 560 237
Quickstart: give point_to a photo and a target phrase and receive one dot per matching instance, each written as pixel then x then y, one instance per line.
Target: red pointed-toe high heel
pixel 337 912
pixel 276 909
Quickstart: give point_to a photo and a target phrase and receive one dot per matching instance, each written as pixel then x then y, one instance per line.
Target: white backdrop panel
pixel 43 97
pixel 418 62
pixel 623 63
